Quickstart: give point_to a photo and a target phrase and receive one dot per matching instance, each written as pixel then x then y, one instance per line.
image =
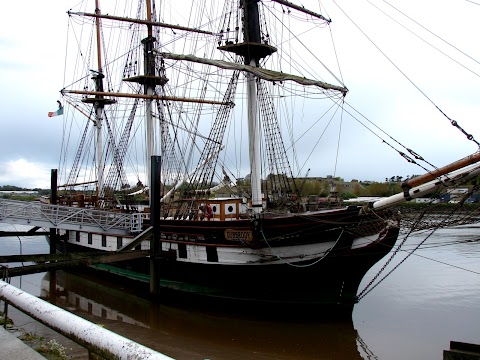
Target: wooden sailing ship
pixel 223 234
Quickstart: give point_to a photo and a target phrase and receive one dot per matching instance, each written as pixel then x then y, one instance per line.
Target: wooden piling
pixel 53 201
pixel 53 232
pixel 155 244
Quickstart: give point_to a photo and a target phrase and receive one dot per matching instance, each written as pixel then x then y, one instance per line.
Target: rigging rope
pixel 306 265
pixel 444 263
pixel 431 32
pixel 453 122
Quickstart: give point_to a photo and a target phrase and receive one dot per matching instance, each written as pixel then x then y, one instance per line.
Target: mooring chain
pixel 365 348
pixel 364 291
pixel 369 285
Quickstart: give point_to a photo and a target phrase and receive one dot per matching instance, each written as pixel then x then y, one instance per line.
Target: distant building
pixel 19 192
pixel 424 200
pixel 364 199
pixel 458 191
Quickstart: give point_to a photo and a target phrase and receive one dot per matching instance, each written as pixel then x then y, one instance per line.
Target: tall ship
pixel 215 108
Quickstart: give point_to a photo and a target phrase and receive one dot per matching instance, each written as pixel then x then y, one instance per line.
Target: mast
pixel 149 69
pixel 254 142
pixel 99 103
pixel 149 80
pixel 252 50
pixel 99 106
pixel 252 35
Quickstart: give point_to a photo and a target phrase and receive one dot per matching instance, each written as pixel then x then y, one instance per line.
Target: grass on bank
pixel 51 350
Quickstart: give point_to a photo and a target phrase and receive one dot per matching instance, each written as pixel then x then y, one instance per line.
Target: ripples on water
pixel 428 301
pixel 413 314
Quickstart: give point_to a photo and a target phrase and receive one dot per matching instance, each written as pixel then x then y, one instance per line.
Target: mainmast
pixel 252 34
pixel 252 51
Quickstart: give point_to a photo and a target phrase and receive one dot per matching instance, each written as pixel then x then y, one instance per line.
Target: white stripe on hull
pixel 197 253
pixel 227 255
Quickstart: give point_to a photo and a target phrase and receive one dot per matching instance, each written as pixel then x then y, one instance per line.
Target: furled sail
pixel 265 74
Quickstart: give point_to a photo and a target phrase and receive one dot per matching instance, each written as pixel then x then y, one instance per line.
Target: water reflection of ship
pixel 184 333
pixel 71 293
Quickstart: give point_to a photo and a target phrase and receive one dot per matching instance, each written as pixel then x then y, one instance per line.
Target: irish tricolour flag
pixel 58 112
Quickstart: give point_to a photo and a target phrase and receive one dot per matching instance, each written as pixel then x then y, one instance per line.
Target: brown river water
pixel 431 299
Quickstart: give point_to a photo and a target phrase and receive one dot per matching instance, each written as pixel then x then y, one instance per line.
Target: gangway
pixel 50 216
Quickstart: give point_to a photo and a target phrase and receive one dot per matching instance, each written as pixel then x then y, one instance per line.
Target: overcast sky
pixel 32 43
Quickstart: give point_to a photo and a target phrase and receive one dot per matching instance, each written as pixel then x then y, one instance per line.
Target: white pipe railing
pixel 94 338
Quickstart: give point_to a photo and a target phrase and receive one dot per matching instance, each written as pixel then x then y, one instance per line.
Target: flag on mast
pixel 58 112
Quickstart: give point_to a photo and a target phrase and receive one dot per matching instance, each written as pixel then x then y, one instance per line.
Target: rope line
pixel 453 122
pixel 306 265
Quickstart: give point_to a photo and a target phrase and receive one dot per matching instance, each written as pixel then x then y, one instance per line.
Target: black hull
pixel 326 286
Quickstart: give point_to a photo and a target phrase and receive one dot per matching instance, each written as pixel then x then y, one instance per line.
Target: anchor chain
pixel 369 287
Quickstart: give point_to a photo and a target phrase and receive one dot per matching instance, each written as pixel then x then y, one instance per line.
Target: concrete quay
pixel 12 347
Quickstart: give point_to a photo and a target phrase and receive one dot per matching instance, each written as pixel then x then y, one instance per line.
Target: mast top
pixel 249 49
pixel 252 47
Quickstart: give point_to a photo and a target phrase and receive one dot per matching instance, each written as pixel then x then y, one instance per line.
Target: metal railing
pixel 69 218
pixel 94 338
